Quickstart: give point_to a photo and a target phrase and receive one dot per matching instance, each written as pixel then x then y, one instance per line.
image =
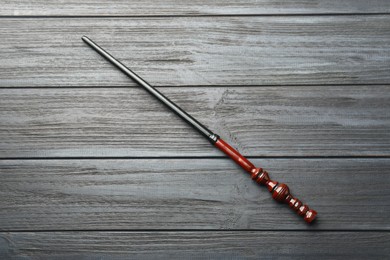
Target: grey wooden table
pixel 92 167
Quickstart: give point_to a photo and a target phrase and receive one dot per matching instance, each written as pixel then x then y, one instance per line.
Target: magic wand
pixel 280 191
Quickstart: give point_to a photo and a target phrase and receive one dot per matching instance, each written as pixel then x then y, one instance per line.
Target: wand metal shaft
pixel 280 191
pixel 184 115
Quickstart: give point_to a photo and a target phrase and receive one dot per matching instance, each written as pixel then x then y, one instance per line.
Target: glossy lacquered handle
pixel 280 191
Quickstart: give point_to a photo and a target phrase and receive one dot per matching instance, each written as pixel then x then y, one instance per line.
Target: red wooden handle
pixel 280 191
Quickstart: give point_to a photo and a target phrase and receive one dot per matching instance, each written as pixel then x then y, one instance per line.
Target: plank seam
pixel 189 15
pixel 194 230
pixel 195 157
pixel 199 86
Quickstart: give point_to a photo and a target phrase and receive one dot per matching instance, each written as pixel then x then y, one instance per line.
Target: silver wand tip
pixel 84 38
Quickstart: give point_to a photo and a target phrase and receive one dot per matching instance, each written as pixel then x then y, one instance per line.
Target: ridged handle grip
pixel 280 191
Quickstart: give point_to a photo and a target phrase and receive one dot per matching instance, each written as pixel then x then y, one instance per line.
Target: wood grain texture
pixel 349 194
pixel 195 245
pixel 91 169
pixel 188 8
pixel 128 122
pixel 173 51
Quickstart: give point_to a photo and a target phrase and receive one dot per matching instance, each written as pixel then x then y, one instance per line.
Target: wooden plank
pixel 128 122
pixel 172 51
pixel 349 194
pixel 195 245
pixel 189 8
